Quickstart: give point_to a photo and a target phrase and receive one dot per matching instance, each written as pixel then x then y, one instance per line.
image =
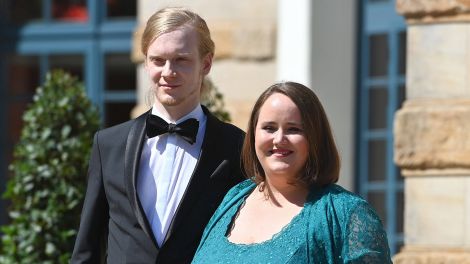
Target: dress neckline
pixel 276 235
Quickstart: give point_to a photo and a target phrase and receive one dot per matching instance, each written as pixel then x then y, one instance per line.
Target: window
pixel 119 9
pixel 90 39
pixel 381 92
pixel 120 83
pixel 20 12
pixel 69 10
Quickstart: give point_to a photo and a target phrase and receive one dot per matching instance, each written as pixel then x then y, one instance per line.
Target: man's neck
pixel 173 113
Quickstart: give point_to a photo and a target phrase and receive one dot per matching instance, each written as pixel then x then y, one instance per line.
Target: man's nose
pixel 168 69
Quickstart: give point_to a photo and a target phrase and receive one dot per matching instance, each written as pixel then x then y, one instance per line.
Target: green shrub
pixel 47 186
pixel 214 101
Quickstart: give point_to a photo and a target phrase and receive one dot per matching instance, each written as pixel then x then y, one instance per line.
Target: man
pixel 153 181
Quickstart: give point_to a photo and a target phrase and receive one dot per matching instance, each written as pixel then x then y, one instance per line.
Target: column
pixel 294 40
pixel 432 132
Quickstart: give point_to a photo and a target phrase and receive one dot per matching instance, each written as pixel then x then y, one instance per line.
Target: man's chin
pixel 168 100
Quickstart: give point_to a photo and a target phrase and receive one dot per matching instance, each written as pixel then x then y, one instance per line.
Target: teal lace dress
pixel 335 226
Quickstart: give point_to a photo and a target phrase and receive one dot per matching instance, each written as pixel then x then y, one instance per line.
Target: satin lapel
pixel 135 142
pixel 208 161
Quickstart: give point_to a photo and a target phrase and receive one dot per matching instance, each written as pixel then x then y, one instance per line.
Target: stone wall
pixel 432 11
pixel 432 139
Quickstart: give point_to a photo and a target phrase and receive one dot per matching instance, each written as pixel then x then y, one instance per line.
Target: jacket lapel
pixel 134 145
pixel 208 162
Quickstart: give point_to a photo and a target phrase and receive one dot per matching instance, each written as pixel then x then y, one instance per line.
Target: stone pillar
pixel 294 41
pixel 432 132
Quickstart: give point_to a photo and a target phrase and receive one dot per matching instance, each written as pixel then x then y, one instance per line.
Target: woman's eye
pixel 295 130
pixel 269 128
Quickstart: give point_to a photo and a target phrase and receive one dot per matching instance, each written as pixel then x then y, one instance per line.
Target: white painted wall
pixel 334 74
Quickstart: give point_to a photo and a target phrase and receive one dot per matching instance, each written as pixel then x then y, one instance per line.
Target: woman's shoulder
pixel 335 193
pixel 234 195
pixel 239 191
pixel 336 198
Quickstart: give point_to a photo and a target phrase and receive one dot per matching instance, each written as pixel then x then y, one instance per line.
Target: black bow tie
pixel 186 129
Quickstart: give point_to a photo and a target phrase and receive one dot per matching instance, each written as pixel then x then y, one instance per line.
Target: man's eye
pixel 182 60
pixel 157 61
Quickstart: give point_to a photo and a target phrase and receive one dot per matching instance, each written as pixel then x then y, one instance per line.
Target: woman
pixel 291 211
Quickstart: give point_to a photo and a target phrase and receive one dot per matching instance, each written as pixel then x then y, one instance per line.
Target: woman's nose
pixel 279 136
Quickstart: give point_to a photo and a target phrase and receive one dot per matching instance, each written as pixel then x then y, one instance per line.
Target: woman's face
pixel 280 142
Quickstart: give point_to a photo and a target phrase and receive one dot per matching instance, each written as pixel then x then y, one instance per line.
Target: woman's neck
pixel 283 193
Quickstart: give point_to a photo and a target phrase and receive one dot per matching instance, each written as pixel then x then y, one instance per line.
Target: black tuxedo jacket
pixel 113 225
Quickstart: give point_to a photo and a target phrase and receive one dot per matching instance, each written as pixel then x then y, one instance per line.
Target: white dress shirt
pixel 166 165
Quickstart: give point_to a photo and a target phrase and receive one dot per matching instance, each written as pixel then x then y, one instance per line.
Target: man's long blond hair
pixel 172 18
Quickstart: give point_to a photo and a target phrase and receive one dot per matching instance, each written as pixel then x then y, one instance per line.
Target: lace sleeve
pixel 365 240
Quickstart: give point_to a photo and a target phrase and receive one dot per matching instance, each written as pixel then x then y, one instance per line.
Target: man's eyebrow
pixel 181 54
pixel 154 56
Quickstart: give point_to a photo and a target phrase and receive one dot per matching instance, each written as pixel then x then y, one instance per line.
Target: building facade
pixel 351 53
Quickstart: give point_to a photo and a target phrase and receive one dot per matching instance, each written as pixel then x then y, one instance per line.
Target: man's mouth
pixel 168 86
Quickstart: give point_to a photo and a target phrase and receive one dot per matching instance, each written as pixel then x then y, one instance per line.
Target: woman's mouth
pixel 281 152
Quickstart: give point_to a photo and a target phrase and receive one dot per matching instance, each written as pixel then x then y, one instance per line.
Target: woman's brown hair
pixel 323 162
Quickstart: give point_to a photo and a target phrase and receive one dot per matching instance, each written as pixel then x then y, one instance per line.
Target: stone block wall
pixel 432 139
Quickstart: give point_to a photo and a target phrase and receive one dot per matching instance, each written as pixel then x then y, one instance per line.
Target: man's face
pixel 176 69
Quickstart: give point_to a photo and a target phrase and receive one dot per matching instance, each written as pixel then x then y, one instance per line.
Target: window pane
pixel 70 10
pixel 72 64
pixel 377 160
pixel 21 11
pixel 23 75
pixel 399 245
pixel 120 72
pixel 401 95
pixel 402 52
pixel 377 201
pixel 117 113
pixel 400 211
pixel 378 105
pixel 378 57
pixel 121 8
pixel 398 175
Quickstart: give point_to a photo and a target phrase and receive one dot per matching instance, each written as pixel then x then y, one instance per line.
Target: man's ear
pixel 207 63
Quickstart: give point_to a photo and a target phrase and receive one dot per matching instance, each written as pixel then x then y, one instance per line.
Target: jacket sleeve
pixel 90 243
